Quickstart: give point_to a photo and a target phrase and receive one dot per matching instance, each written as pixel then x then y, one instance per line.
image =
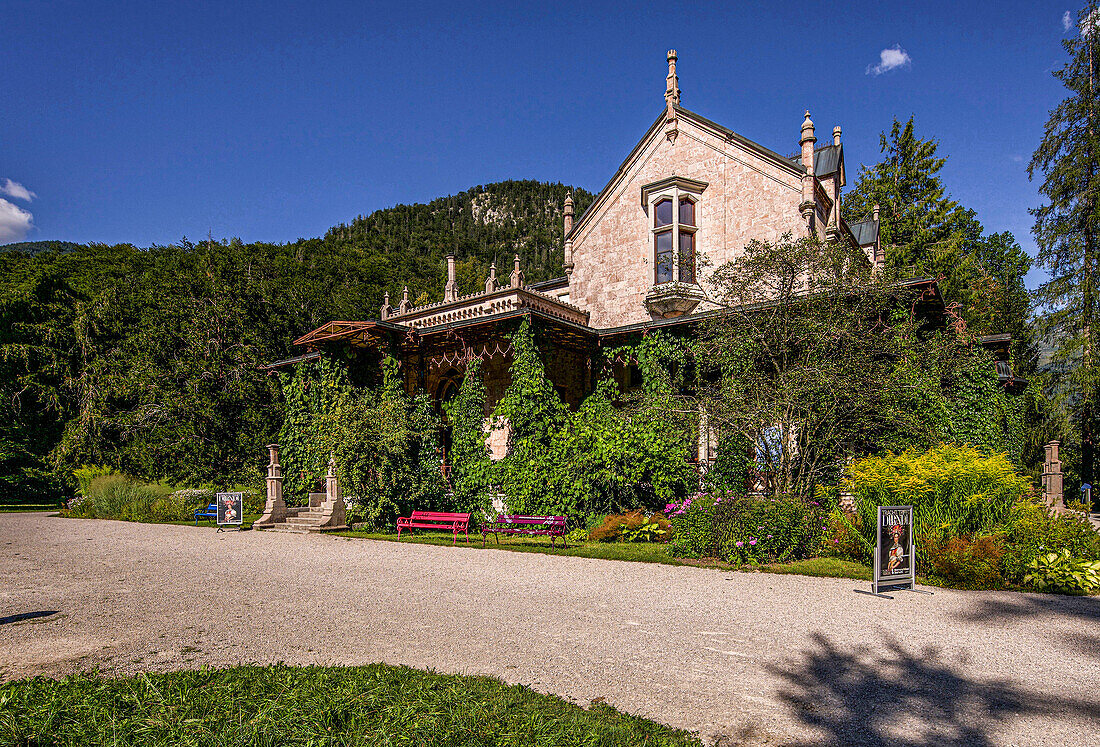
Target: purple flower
pixel 769 536
pixel 752 542
pixel 739 543
pixel 836 542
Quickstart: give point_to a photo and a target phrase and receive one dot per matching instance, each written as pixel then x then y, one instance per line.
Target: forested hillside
pixel 146 359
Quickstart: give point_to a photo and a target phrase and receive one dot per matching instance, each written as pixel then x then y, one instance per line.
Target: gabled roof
pixel 358 334
pixel 866 232
pixel 828 160
pixel 700 121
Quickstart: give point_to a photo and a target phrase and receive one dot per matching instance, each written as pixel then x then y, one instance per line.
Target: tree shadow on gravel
pixel 1037 606
pixel 890 696
pixel 23 616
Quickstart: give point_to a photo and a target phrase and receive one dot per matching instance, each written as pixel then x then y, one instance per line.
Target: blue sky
pixel 144 122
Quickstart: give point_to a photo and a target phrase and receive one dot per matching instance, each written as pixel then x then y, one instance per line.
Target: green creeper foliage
pixel 385 443
pixel 596 460
pixel 471 466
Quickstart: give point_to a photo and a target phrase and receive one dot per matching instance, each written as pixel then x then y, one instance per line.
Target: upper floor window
pixel 673 204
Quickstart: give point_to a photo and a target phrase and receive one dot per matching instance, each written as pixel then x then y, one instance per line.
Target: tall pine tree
pixel 1067 229
pixel 926 233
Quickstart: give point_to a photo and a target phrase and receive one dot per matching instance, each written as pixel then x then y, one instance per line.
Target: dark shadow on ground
pixel 1084 640
pixel 886 695
pixel 26 616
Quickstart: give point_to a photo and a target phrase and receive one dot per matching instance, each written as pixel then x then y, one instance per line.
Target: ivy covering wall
pixel 619 451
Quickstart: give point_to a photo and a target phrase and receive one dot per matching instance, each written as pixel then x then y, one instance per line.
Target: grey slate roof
pixel 866 232
pixel 826 160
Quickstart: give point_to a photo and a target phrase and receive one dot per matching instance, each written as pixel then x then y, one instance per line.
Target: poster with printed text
pixel 894 561
pixel 230 508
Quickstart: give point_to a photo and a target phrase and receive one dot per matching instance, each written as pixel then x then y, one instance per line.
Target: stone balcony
pixel 486 304
pixel 669 300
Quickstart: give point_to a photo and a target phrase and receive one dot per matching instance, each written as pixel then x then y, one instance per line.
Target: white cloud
pixel 17 190
pixel 890 59
pixel 15 222
pixel 1067 21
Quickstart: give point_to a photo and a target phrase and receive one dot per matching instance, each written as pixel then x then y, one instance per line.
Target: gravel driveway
pixel 738 657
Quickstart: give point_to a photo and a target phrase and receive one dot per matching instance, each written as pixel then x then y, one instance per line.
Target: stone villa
pixel 689 189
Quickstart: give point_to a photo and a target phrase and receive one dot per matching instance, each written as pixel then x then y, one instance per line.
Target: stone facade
pixel 747 196
pixel 738 191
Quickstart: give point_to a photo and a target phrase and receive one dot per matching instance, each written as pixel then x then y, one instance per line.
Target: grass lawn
pixel 282 705
pixel 644 552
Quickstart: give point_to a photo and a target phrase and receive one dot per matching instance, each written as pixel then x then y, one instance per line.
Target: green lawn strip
pixel 644 552
pixel 251 705
pixel 27 508
pixel 822 568
pixel 246 521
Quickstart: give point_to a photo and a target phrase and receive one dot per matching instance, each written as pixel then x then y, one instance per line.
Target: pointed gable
pixel 748 191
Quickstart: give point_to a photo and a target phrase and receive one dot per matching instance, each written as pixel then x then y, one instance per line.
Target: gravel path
pixel 739 657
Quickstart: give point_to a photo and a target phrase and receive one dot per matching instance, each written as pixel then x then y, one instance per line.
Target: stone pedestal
pixel 275 508
pixel 1052 478
pixel 331 512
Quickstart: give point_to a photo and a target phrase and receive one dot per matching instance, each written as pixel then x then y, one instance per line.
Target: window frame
pixel 677 191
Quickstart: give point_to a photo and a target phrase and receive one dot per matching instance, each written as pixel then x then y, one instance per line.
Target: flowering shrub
pixel 842 537
pixel 693 526
pixel 954 490
pixel 759 530
pixel 634 526
pixel 1032 530
pixel 966 562
pixel 745 529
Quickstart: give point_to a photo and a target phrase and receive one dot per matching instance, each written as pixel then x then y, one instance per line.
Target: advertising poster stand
pixel 230 510
pixel 895 567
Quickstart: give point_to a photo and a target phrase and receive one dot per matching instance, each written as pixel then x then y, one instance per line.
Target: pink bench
pixel 554 526
pixel 436 520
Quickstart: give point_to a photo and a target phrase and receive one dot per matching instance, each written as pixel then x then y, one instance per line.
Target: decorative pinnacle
pixel 672 83
pixel 836 135
pixel 808 128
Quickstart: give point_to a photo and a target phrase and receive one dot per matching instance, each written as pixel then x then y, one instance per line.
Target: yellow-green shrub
pixel 954 490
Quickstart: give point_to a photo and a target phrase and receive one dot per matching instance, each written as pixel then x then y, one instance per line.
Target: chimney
pixel 672 83
pixel 516 278
pixel 836 135
pixel 880 253
pixel 450 290
pixel 807 142
pixel 808 205
pixel 568 265
pixel 491 281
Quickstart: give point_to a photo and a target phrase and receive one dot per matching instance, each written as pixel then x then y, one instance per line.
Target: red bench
pixel 436 520
pixel 554 526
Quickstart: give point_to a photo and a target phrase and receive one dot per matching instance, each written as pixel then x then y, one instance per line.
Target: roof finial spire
pixel 672 83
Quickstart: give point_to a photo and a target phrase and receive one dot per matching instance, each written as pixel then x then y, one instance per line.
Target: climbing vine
pixel 471 467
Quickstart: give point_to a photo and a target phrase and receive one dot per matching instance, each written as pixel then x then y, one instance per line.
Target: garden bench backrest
pixel 438 516
pixel 550 521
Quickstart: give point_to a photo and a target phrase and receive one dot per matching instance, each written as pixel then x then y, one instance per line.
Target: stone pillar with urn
pixel 1052 478
pixel 275 507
